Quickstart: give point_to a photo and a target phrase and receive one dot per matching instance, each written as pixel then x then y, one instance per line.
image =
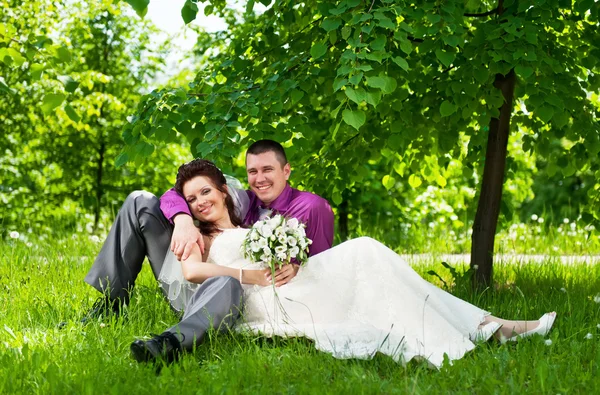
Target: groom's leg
pixel 139 230
pixel 215 304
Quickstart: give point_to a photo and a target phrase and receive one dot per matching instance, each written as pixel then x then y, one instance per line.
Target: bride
pixel 353 300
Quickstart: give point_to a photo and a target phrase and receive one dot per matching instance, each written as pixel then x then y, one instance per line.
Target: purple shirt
pixel 308 208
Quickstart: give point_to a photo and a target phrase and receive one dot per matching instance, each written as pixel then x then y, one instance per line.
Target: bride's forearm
pixel 198 272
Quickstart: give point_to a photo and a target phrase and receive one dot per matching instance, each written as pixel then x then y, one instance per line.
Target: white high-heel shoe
pixel 546 322
pixel 485 332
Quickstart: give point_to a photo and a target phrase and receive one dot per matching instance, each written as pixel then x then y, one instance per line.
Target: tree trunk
pixel 488 208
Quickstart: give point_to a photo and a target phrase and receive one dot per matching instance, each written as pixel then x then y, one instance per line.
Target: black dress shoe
pixel 102 308
pixel 165 347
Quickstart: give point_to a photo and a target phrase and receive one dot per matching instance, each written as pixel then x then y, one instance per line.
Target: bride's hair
pixel 205 168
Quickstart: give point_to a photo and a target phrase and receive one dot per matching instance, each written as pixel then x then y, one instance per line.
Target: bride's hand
pixel 284 274
pixel 185 236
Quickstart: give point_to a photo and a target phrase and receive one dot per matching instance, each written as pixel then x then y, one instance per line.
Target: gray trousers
pixel 140 229
pixel 215 304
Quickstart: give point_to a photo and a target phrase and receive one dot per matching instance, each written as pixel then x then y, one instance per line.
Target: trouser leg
pixel 139 230
pixel 215 304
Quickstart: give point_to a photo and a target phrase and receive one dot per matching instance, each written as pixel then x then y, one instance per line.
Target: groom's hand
pixel 284 274
pixel 185 235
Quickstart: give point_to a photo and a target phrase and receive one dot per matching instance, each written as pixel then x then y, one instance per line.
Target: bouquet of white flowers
pixel 276 241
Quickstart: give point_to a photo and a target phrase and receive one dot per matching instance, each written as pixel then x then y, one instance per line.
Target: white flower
pixel 274 222
pixel 280 232
pixel 14 234
pixel 95 239
pixel 282 239
pixel 563 290
pixel 597 298
pixel 291 241
pixel 273 238
pixel 566 220
pixel 534 217
pixel 281 256
pixel 74 237
pixel 254 235
pixel 294 251
pixel 266 230
pixel 255 247
pixel 598 326
pixel 89 227
pixel 540 220
pixel 29 244
pixel 292 223
pixel 475 267
pixel 280 249
pixel 102 325
pixel 548 342
pixel 589 336
pixel 263 243
pixel 267 251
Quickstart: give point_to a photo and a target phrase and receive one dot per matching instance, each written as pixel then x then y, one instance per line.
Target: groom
pixel 145 227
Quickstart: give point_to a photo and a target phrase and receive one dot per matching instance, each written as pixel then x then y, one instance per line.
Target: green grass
pixel 42 285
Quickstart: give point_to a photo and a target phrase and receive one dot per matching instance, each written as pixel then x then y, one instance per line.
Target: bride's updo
pixel 205 168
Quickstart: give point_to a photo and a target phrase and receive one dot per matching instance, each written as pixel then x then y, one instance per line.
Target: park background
pixel 385 108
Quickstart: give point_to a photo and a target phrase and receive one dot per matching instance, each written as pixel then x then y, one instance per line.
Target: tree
pixel 65 153
pixel 395 82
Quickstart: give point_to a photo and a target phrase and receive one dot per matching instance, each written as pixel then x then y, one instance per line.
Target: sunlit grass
pixel 41 284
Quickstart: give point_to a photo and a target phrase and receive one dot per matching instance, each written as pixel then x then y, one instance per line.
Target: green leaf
pixel 338 83
pixel 346 31
pixel 446 58
pixel 121 159
pixel 386 84
pixel 16 56
pixel 414 181
pixel 330 24
pixel 189 11
pixel 297 95
pixel 355 118
pixel 5 88
pixel 36 71
pixel 524 71
pixel 140 6
pixel 72 114
pixel 401 62
pixel 406 46
pixel 544 112
pixel 51 101
pixel 440 180
pixel 447 108
pixel 374 97
pixel 388 182
pixel 69 83
pixel 357 96
pixel 63 55
pixel 335 112
pixel 450 40
pixel 560 119
pixel 318 50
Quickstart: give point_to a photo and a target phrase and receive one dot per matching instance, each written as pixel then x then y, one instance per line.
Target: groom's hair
pixel 262 146
pixel 205 168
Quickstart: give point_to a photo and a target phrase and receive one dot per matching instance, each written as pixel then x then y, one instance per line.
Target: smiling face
pixel 206 202
pixel 266 175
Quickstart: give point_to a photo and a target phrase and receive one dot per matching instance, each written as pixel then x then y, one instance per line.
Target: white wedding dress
pixel 354 300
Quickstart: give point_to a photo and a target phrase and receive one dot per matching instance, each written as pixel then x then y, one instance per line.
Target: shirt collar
pixel 282 202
